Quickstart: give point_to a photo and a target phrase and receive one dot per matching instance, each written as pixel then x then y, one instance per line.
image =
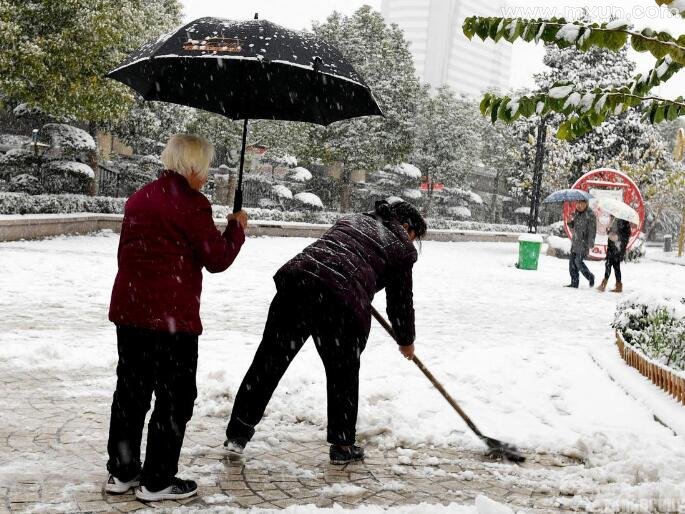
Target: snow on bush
pixel 404 169
pixel 68 138
pixel 459 212
pixel 77 168
pixel 655 326
pixel 22 203
pixel 300 174
pixel 282 191
pixel 23 110
pixel 308 200
pixel 412 194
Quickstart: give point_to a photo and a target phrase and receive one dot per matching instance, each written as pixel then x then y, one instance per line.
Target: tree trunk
pixel 681 238
pixel 493 212
pixel 92 159
pixel 345 188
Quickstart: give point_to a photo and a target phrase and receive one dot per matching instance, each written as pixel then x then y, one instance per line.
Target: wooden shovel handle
pixel 436 383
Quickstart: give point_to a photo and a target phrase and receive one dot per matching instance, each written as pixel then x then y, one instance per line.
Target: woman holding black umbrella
pixel 167 238
pixel 326 292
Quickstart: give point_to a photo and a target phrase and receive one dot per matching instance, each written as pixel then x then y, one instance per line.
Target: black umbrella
pixel 248 70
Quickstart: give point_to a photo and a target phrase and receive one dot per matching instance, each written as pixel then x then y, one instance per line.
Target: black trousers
pixel 576 265
pixel 293 317
pixel 149 362
pixel 612 262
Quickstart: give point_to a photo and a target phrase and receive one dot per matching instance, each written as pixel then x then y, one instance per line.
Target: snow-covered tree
pixel 447 144
pixel 54 54
pixel 381 55
pixel 148 125
pixel 624 139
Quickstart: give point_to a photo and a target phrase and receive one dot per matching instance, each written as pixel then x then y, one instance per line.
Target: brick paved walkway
pixel 53 432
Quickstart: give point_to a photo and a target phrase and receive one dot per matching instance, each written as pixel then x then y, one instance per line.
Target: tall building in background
pixel 442 54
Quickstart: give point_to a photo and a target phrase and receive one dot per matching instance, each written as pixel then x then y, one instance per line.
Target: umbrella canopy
pixel 619 209
pixel 567 195
pixel 248 70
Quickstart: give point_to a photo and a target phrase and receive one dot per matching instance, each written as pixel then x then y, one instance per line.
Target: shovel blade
pixel 500 450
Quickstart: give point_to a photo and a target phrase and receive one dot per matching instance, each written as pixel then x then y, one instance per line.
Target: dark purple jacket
pixel 356 258
pixel 167 237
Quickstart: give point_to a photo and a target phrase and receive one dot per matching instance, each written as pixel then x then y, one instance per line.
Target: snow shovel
pixel 497 449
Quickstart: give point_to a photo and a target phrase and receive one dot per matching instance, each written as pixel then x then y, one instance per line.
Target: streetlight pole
pixel 537 177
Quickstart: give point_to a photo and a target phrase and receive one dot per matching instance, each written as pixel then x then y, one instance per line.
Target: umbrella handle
pixel 238 200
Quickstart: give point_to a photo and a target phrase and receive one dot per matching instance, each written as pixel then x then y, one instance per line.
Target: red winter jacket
pixel 167 237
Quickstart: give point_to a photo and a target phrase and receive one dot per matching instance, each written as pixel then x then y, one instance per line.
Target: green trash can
pixel 529 251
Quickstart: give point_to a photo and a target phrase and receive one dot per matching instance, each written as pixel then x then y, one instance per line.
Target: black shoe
pixel 592 281
pixel 177 490
pixel 340 455
pixel 572 285
pixel 235 447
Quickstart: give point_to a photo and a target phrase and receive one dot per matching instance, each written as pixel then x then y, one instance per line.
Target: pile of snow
pixel 77 168
pixel 342 489
pixel 282 192
pixel 67 137
pixel 560 243
pixel 405 169
pixel 522 210
pixel 309 200
pixel 531 238
pixel 300 174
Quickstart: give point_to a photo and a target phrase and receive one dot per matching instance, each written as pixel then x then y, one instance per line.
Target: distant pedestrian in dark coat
pixel 326 292
pixel 584 226
pixel 167 237
pixel 617 246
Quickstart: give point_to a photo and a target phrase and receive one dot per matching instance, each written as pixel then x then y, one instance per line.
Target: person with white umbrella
pixel 619 237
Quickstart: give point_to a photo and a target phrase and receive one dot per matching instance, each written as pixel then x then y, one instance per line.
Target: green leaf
pixel 485 103
pixel 494 108
pixel 483 28
pixel 469 27
pixel 672 112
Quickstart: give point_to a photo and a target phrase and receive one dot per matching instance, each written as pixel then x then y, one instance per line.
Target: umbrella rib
pixel 236 58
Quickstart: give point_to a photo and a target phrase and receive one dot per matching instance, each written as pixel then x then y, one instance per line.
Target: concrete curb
pixel 38 226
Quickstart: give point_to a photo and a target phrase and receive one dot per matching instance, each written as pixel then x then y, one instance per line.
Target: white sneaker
pixel 116 486
pixel 178 490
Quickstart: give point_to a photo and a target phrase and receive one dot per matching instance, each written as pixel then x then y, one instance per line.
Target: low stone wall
pixel 38 226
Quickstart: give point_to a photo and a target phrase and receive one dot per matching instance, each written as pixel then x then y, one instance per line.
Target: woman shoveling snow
pixel 326 292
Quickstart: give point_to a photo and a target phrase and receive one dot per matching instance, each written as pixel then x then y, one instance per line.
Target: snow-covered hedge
pixel 655 326
pixel 22 203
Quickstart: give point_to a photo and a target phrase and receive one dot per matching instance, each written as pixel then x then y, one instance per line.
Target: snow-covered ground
pixel 516 349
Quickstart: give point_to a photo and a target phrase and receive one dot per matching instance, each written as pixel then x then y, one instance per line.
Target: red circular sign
pixel 614 184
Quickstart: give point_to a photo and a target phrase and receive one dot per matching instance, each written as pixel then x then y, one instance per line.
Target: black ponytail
pixel 402 212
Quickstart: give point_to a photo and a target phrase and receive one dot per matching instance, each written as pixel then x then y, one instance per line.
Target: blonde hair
pixel 185 153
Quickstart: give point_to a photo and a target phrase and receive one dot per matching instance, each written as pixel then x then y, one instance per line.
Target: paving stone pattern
pixel 53 432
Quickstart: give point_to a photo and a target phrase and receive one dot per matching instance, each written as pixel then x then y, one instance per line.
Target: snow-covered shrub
pixel 132 171
pixel 300 174
pixel 638 250
pixel 654 325
pixel 66 140
pixel 22 203
pixel 282 192
pixel 24 183
pixel 557 229
pixel 308 201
